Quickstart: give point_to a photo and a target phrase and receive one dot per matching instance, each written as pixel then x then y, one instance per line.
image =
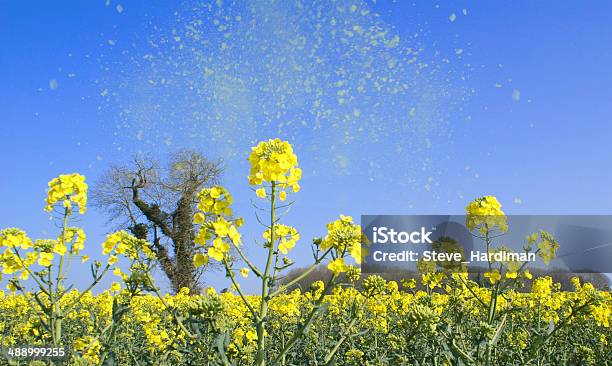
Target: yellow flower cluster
pixel 287 307
pixel 12 238
pixel 287 236
pixel 493 276
pixel 344 238
pixel 45 259
pixel 218 249
pixel 152 316
pixel 10 262
pixel 68 189
pixel 200 260
pixel 337 266
pixel 214 218
pixel 432 279
pixel 77 237
pixel 121 242
pixel 542 287
pixel 274 161
pixel 484 214
pixel 222 232
pixel 215 200
pixel 602 314
pixel 344 235
pixel 90 347
pixel 548 247
pixel 244 337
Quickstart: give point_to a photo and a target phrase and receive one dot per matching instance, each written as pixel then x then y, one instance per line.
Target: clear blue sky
pixel 504 98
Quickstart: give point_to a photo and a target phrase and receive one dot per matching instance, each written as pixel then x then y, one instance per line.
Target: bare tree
pixel 158 203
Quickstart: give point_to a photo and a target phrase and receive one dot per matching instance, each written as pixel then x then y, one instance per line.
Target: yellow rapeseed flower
pixel 67 189
pixel 218 250
pixel 261 192
pixel 215 200
pixel 287 237
pixel 493 276
pixel 275 162
pixel 12 238
pixel 200 260
pixel 337 266
pixel 45 259
pixel 244 272
pixel 485 213
pixel 343 235
pixel 115 287
pixel 511 274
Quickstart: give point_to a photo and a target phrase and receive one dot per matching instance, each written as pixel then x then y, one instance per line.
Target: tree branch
pixel 153 214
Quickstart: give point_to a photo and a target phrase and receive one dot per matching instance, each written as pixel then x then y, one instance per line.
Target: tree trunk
pixel 180 269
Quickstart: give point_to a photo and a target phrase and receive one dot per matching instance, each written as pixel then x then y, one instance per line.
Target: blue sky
pixel 505 98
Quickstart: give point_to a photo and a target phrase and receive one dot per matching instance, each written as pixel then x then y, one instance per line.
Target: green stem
pixel 493 295
pixel 265 290
pixel 57 335
pixel 473 293
pixel 237 286
pixel 246 260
